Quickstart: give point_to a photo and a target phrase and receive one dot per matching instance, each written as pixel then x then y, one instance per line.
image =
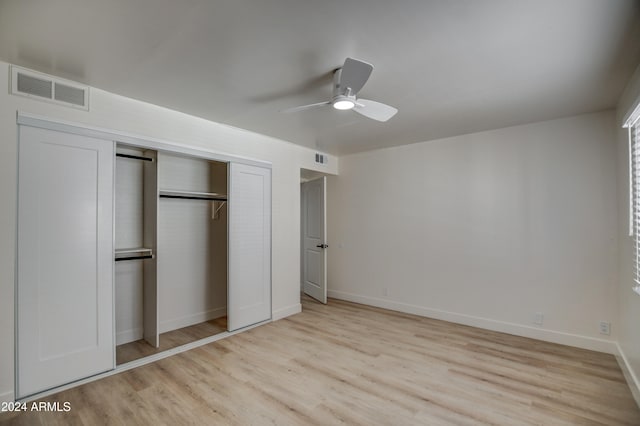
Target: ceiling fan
pixel 347 82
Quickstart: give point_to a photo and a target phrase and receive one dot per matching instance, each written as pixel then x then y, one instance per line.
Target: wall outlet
pixel 538 318
pixel 605 327
pixel 385 291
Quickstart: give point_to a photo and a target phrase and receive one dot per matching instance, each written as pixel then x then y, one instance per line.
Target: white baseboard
pixel 552 336
pixel 127 336
pixel 7 396
pixel 186 321
pixel 285 312
pixel 629 374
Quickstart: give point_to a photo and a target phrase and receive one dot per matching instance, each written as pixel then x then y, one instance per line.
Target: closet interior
pixel 171 250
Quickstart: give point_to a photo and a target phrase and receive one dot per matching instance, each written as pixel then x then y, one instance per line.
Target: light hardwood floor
pixel 169 340
pixel 350 364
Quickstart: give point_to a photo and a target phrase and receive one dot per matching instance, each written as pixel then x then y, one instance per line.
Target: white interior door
pixel 65 259
pixel 314 237
pixel 249 218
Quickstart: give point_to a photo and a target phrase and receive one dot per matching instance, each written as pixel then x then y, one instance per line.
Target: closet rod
pixel 149 256
pixel 135 157
pixel 192 197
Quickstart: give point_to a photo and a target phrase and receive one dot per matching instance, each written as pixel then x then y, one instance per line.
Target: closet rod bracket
pixel 216 206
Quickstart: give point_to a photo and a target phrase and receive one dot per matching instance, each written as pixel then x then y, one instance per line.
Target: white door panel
pixel 314 255
pixel 65 258
pixel 249 291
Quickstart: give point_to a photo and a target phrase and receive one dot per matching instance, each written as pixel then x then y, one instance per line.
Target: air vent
pixel 34 86
pixel 69 94
pixel 47 88
pixel 321 158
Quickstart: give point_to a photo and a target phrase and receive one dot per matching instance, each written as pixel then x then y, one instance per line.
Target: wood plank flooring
pixel 351 364
pixel 169 340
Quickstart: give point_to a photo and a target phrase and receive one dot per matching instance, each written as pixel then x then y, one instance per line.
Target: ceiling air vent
pixel 47 88
pixel 321 158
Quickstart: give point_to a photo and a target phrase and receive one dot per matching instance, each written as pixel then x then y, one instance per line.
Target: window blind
pixel 634 160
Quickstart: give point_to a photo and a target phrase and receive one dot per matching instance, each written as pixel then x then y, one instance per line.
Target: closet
pixel 129 245
pixel 192 241
pixel 171 250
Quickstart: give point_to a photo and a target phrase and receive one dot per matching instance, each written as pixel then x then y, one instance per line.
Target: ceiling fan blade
pixel 375 110
pixel 354 74
pixel 303 107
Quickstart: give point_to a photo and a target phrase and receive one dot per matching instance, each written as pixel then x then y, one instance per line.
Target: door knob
pixel 322 246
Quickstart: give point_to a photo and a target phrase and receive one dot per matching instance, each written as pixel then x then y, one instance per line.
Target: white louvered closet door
pixel 65 259
pixel 249 292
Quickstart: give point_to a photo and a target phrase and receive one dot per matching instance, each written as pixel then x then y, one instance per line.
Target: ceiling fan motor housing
pixel 337 89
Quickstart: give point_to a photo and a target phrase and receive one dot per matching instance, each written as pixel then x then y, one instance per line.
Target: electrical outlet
pixel 385 291
pixel 605 327
pixel 538 318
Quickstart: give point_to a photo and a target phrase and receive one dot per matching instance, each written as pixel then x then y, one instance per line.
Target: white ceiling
pixel 450 67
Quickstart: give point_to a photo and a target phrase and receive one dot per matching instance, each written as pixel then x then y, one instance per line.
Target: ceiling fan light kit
pixel 343 103
pixel 347 82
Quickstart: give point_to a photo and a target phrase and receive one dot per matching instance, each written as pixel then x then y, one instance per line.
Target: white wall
pixel 127 115
pixel 485 229
pixel 629 301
